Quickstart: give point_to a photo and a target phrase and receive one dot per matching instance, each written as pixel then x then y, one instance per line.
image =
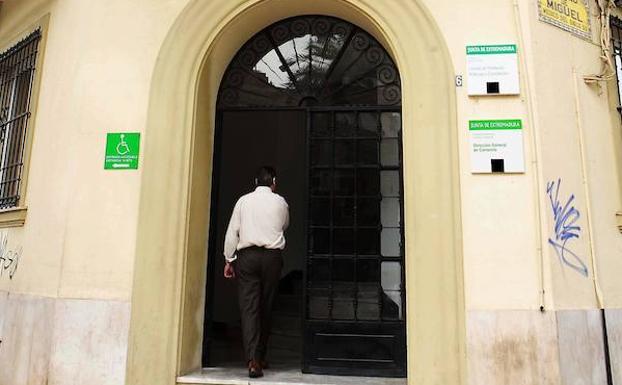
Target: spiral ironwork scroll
pixel 311 58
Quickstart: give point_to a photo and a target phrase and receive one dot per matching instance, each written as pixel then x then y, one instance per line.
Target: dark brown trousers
pixel 258 271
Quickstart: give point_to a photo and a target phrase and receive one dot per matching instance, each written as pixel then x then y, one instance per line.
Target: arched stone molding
pixel 169 275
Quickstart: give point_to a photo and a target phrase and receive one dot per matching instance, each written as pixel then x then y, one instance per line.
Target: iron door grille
pixel 17 68
pixel 355 295
pixel 353 292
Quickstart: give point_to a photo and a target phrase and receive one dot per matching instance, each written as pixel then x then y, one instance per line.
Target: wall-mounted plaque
pixel 570 15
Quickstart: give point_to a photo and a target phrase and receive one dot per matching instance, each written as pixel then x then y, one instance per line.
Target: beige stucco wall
pixel 580 145
pixel 64 314
pixel 79 239
pixel 502 241
pixel 79 236
pixel 96 44
pixel 493 206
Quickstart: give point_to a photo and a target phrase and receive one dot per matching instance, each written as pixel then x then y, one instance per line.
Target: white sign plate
pixel 492 70
pixel 496 146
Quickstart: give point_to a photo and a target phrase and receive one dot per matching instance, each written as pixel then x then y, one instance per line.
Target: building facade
pixel 508 232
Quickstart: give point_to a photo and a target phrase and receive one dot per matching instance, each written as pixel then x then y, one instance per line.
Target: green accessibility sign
pixel 508 124
pixel 122 151
pixel 491 49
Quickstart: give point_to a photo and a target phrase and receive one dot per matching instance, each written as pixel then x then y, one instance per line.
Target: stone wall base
pixel 532 347
pixel 50 341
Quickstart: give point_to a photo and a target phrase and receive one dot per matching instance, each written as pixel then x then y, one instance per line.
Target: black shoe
pixel 254 369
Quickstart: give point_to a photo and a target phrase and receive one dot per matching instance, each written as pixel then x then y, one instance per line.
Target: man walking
pixel 253 244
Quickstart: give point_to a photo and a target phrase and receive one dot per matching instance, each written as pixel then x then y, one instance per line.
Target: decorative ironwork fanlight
pixel 311 61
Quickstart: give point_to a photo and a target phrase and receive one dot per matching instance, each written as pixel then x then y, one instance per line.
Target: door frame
pixel 213 216
pixel 170 258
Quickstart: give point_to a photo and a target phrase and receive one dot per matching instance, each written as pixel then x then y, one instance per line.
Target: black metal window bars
pixel 17 68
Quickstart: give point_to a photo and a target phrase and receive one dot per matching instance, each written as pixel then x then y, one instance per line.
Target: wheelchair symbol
pixel 122 147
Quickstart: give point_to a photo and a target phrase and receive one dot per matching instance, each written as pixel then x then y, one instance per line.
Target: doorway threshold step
pixel 278 376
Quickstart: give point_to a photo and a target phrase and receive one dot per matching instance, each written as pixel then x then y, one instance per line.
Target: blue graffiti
pixel 566 228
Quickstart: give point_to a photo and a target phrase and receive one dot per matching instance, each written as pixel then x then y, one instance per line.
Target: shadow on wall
pixel 248 140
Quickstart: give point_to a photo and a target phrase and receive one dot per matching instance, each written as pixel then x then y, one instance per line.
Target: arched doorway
pixel 319 98
pixel 165 340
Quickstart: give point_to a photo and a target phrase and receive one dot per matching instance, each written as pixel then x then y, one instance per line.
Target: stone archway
pixel 169 274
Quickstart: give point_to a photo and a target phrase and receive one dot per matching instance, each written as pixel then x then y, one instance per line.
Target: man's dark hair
pixel 265 176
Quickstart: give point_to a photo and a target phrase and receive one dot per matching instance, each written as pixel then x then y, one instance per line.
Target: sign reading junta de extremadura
pixel 570 15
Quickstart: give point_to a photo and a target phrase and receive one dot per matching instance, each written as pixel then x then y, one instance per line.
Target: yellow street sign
pixel 570 15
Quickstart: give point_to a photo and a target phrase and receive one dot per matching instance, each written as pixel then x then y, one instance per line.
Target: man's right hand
pixel 229 272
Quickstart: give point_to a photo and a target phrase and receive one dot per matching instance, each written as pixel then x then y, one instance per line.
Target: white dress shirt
pixel 259 219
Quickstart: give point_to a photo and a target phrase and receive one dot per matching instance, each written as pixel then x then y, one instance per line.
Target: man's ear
pixel 256 182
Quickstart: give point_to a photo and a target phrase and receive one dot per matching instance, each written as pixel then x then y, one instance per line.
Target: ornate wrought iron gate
pixel 354 294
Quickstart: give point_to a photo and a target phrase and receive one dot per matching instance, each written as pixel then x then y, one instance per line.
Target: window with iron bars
pixel 616 42
pixel 17 69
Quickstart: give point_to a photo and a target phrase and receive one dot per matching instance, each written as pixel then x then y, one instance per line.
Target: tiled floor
pixel 278 376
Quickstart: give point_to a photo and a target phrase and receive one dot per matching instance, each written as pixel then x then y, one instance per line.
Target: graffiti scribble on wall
pixel 566 217
pixel 9 259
